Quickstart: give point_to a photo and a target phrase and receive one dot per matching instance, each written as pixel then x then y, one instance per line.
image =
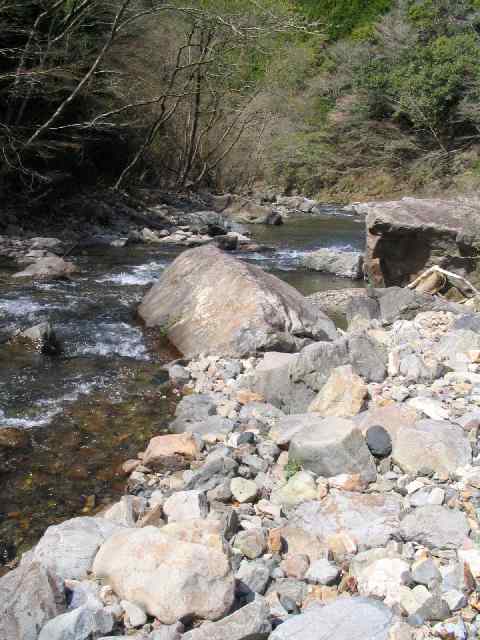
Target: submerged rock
pixel 51 267
pixel 209 302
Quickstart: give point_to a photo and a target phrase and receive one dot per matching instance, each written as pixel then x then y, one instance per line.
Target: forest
pixel 331 98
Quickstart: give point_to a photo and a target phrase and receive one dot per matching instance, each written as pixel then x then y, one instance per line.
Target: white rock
pixel 383 579
pixel 243 490
pixel 322 572
pixel 185 505
pixel 135 616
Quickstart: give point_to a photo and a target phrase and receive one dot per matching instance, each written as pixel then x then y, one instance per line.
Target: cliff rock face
pixel 407 236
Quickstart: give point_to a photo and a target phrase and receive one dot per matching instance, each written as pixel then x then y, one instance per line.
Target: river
pixel 98 404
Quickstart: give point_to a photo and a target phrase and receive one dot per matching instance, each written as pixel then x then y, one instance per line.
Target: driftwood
pixel 446 275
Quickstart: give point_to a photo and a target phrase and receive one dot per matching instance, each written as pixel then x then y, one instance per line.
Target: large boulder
pixel 370 519
pixel 29 597
pixel 346 264
pixel 407 236
pixel 332 446
pixel 210 302
pixel 68 549
pixel 169 578
pixel 343 619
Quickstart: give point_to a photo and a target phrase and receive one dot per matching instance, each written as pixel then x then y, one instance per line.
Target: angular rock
pixel 383 579
pixel 399 303
pixel 346 264
pixel 299 488
pixel 184 505
pixel 343 395
pixel 209 302
pixel 252 577
pixel 333 446
pixel 370 519
pixel 29 597
pixel 251 543
pixel 171 452
pixel 80 624
pixel 245 623
pixel 440 445
pixel 343 619
pixel 68 549
pixel 435 527
pixel 243 490
pixel 322 571
pixel 170 579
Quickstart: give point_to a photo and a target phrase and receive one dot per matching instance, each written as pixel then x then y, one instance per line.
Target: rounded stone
pixel 379 441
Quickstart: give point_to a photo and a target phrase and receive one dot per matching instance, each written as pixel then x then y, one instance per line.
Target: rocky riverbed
pixel 314 483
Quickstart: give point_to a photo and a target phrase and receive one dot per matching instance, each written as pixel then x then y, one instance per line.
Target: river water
pixel 98 404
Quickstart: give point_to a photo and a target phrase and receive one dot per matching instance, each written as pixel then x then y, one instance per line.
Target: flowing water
pixel 98 404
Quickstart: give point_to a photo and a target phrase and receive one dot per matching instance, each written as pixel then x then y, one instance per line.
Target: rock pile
pixel 330 493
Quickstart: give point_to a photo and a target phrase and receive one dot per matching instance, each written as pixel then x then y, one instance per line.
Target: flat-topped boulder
pixel 346 264
pixel 209 302
pixel 406 236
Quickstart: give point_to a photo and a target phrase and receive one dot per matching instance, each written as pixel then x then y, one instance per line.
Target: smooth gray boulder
pixel 68 549
pixel 344 619
pixel 370 519
pixel 209 302
pixel 241 625
pixel 346 264
pixel 435 527
pixel 29 597
pixel 332 446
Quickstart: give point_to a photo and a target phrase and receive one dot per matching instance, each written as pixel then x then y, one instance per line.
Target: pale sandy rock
pixel 343 395
pixel 170 579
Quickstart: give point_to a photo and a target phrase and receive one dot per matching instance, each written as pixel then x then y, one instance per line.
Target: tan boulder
pixel 172 451
pixel 209 302
pixel 169 578
pixel 343 395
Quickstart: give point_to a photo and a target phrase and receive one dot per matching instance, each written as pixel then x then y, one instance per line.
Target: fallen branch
pixel 444 272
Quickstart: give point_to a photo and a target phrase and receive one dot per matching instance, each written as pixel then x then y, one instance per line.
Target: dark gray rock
pixel 379 441
pixel 332 446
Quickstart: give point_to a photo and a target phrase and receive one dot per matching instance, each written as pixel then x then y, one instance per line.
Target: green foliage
pixel 342 17
pixel 291 468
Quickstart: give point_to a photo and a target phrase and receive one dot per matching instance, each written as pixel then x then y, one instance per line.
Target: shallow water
pixel 99 403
